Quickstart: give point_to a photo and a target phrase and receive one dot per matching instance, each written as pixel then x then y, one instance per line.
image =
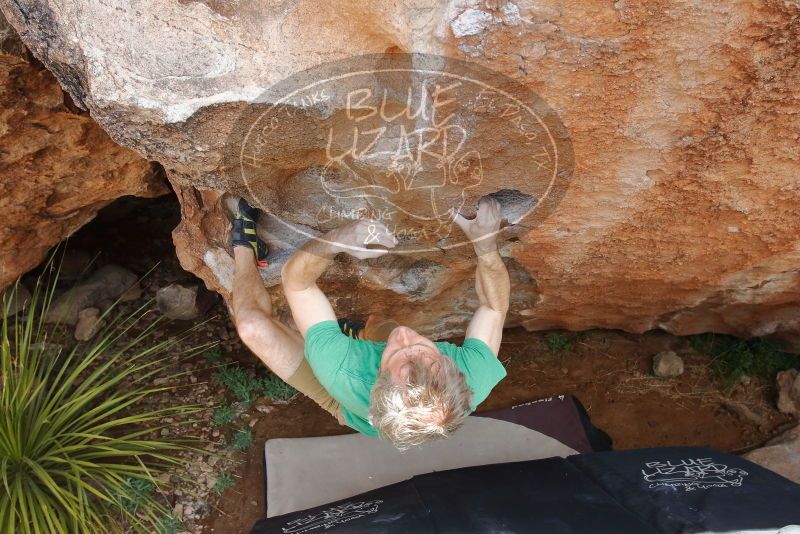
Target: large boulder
pixel 788 383
pixel 57 166
pixel 781 454
pixel 100 290
pixel 679 209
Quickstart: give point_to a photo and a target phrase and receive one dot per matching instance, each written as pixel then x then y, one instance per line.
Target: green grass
pixel 557 343
pixel 242 439
pixel 733 358
pixel 170 524
pixel 246 387
pixel 274 388
pixel 77 452
pixel 224 482
pixel 136 493
pixel 213 355
pixel 223 415
pixel 239 383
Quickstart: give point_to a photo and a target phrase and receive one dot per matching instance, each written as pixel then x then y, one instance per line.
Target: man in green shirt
pixel 407 389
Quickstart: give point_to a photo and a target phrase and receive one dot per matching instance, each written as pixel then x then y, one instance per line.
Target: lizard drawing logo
pixel 426 175
pixel 691 474
pixel 407 140
pixel 331 517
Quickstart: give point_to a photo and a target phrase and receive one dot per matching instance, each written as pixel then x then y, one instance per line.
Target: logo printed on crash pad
pixel 691 474
pixel 332 516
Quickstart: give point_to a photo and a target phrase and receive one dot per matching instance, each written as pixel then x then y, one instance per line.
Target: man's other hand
pixel 482 230
pixel 361 238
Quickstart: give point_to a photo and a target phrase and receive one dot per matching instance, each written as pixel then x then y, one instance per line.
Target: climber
pixel 407 389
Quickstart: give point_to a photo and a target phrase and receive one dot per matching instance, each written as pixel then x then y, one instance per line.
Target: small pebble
pixel 667 364
pixel 746 380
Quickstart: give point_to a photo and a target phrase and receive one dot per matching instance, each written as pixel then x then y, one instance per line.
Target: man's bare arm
pixel 308 303
pixel 491 276
pixel 493 287
pixel 299 275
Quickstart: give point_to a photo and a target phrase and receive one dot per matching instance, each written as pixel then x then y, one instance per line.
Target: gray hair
pixel 430 405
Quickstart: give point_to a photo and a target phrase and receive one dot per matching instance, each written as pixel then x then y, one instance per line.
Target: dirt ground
pixel 608 371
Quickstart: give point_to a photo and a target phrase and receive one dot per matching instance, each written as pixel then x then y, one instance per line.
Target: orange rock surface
pixel 681 211
pixel 57 166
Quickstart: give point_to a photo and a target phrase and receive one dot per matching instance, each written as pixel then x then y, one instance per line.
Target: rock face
pixel 89 323
pixel 57 166
pixel 182 302
pixel 781 455
pixel 788 383
pixel 673 202
pixel 667 364
pixel 100 290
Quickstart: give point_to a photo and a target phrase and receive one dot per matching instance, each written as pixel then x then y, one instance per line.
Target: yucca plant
pixel 75 429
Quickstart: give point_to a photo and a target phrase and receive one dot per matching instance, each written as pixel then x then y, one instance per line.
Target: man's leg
pixel 275 344
pixel 280 348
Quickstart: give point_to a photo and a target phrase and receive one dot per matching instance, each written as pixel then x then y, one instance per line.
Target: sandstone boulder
pixel 673 203
pixel 89 323
pixel 184 302
pixel 100 290
pixel 788 383
pixel 667 364
pixel 57 166
pixel 781 455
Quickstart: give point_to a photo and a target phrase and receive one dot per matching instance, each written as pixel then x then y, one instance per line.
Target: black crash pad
pixel 666 490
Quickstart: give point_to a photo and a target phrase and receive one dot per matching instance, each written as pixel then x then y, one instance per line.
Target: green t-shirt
pixel 348 368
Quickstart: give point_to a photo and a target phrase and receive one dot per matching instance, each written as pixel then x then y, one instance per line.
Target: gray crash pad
pixel 306 472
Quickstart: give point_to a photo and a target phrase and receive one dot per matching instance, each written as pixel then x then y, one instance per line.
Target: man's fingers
pixel 484 209
pixel 462 222
pixel 391 239
pixel 374 233
pixel 387 240
pixel 489 210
